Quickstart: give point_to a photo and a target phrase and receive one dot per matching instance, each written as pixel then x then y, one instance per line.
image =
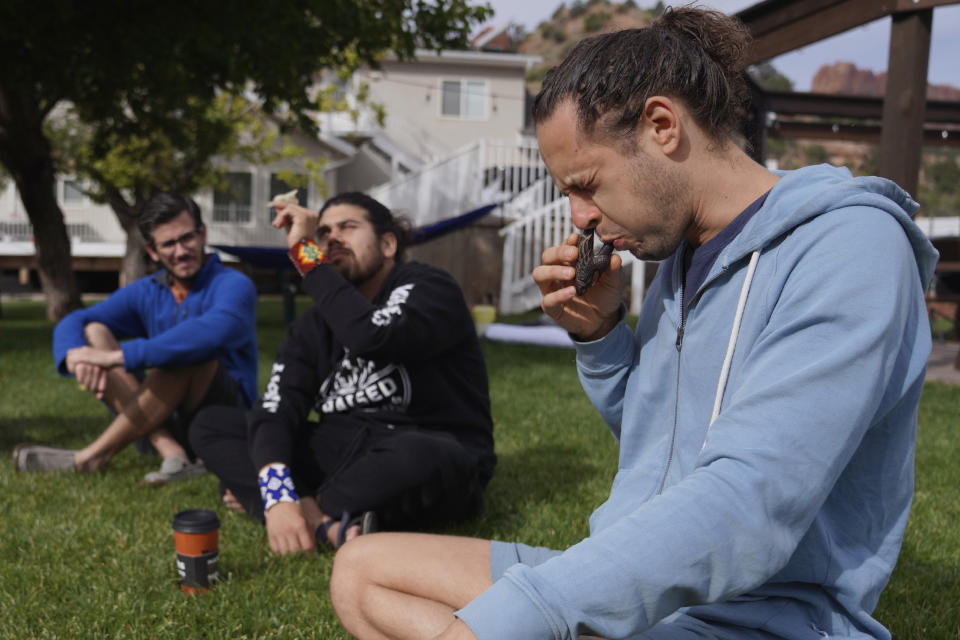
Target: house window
pixel 279 186
pixel 464 99
pixel 233 198
pixel 72 194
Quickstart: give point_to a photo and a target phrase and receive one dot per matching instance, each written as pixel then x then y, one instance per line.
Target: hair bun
pixel 724 38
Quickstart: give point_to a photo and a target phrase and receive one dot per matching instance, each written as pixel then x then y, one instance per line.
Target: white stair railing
pixel 481 173
pixel 524 241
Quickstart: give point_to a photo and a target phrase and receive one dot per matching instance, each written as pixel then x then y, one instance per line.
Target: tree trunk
pixel 135 263
pixel 50 240
pixel 25 152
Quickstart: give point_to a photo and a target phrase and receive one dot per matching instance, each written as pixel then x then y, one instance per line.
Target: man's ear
pixel 662 124
pixel 152 252
pixel 388 245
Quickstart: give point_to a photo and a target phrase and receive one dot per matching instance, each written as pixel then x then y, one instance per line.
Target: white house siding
pixel 95 231
pixel 411 95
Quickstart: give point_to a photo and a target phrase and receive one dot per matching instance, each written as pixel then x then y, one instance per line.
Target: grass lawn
pixel 92 556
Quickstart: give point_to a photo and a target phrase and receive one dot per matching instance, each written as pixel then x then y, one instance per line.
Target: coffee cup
pixel 196 534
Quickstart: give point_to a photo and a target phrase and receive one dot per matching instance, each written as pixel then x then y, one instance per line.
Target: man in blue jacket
pixel 159 349
pixel 765 407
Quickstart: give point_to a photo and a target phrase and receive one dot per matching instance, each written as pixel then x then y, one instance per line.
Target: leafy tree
pixel 142 75
pixel 124 171
pixel 767 76
pixel 657 9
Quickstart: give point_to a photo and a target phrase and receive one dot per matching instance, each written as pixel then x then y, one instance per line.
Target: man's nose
pixel 331 239
pixel 584 212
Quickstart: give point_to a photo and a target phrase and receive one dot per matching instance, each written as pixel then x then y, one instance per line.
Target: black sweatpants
pixel 412 478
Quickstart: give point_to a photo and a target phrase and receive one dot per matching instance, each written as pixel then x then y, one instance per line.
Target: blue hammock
pixel 276 258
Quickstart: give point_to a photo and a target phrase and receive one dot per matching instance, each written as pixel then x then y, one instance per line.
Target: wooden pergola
pixel 907 119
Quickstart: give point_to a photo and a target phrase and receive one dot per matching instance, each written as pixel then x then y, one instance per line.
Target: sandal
pixel 367 521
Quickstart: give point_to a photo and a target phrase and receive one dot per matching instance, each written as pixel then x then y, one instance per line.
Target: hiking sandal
pixel 367 521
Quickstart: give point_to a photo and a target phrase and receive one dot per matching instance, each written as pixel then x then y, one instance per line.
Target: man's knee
pixel 189 384
pixel 99 335
pixel 188 372
pixel 351 575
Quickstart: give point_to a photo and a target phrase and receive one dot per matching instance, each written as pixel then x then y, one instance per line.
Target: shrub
pixel 551 31
pixel 595 22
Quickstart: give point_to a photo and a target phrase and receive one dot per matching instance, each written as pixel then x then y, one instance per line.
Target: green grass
pixel 92 556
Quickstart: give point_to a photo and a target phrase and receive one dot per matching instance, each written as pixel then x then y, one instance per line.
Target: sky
pixel 867 47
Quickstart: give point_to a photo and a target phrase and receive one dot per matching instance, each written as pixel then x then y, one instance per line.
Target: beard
pixel 660 193
pixel 358 273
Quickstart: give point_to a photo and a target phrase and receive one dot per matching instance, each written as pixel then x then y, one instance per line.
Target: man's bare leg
pixel 395 586
pixel 161 392
pixel 122 386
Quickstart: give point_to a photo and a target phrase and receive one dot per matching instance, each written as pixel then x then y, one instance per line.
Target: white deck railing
pixel 524 241
pixel 483 172
pixel 940 227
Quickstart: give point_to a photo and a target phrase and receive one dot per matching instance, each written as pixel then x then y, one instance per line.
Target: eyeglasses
pixel 188 241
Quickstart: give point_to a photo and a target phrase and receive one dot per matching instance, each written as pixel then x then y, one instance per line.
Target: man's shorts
pixel 223 390
pixel 504 555
pixel 677 626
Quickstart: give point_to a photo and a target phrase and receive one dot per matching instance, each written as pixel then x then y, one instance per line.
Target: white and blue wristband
pixel 276 485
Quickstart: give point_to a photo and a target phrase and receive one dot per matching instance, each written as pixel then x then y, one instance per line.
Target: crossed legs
pixel 394 586
pixel 142 407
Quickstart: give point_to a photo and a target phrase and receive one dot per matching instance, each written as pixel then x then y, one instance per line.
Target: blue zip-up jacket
pixel 217 319
pixel 789 515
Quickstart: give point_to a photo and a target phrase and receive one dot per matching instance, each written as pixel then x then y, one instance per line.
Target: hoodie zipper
pixel 676 399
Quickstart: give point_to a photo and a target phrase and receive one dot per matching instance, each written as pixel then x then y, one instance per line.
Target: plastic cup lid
pixel 195 521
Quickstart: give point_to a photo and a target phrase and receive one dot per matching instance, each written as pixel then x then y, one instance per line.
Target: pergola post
pixel 904 106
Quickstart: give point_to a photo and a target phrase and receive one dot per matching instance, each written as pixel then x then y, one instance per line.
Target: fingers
pixel 580 315
pixel 306 541
pixel 556 271
pixel 283 218
pixel 562 254
pixel 91 377
pixel 99 387
pixel 297 221
pixel 73 359
pixel 287 530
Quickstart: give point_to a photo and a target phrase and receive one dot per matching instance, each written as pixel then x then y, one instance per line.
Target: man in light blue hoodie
pixel 765 406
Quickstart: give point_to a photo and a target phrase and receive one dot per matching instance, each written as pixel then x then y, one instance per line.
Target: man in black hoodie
pixel 389 359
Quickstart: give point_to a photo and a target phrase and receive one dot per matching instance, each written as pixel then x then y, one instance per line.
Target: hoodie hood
pixel 823 188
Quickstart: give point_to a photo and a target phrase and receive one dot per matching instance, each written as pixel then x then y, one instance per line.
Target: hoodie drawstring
pixel 734 333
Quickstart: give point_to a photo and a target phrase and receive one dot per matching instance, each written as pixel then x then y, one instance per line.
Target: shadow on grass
pixel 26 338
pixel 50 430
pixel 524 484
